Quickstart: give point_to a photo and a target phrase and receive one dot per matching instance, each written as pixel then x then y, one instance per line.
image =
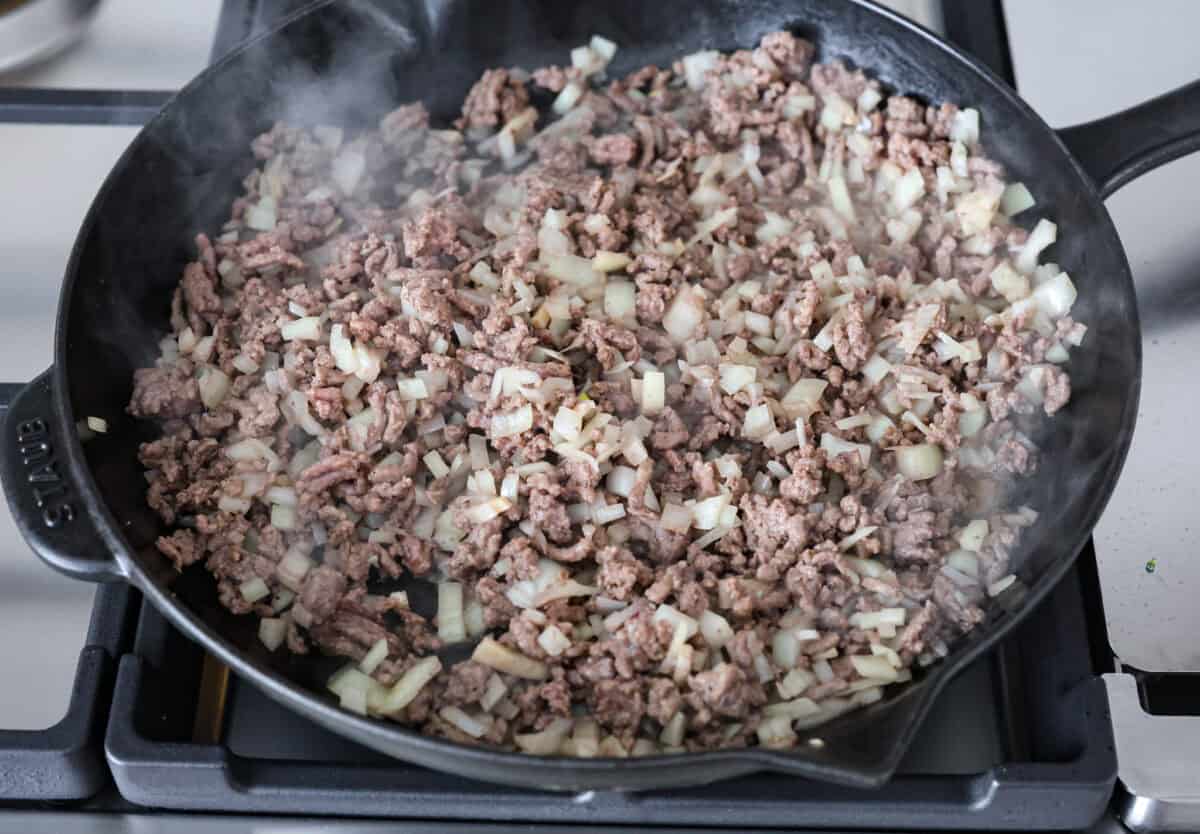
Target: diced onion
pixel 410 685
pixel 908 189
pixel 1043 234
pixel 919 462
pixel 508 424
pixel 1009 283
pixel 803 399
pixel 283 517
pixel 735 377
pixel 873 667
pixel 253 590
pixel 503 659
pixel 553 641
pixel 374 656
pixel 965 126
pixel 684 315
pixel 472 726
pixel 620 300
pixel 758 422
pixel 795 682
pixel 1015 199
pixel 342 349
pixel 875 369
pixel 834 445
pixel 1055 296
pixel 568 422
pixel 214 386
pixel 874 619
pixel 412 389
pixel 715 629
pixel 261 216
pixel 230 504
pixel 567 98
pixel 1000 585
pixel 604 261
pixel 676 518
pixel 307 329
pixel 697 65
pixel 450 625
pixel 272 631
pixel 971 537
pixel 546 742
pixel 654 392
pixel 707 514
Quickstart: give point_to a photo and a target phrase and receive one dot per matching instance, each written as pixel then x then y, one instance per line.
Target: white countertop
pixel 1080 62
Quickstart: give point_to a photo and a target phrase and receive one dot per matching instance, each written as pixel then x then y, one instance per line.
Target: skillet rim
pixel 569 773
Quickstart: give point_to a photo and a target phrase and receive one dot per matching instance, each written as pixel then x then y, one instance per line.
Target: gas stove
pixel 146 731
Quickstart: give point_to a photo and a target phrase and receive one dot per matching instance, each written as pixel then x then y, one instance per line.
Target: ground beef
pixel 449 369
pixel 727 691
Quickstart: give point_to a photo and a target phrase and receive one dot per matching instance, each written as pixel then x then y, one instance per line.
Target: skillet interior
pixel 350 62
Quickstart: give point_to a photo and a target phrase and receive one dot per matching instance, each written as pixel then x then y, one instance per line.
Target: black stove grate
pixel 1020 741
pixel 66 761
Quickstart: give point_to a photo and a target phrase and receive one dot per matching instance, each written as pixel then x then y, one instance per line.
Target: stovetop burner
pixel 183 734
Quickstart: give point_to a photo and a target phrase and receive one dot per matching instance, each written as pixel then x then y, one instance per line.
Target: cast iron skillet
pixel 83 510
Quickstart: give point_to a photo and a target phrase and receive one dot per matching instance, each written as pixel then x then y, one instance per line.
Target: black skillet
pixel 83 510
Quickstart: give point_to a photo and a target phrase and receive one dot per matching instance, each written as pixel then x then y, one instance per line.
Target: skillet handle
pixel 1118 148
pixel 44 502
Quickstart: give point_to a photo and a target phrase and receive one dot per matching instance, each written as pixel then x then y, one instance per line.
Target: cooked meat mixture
pixel 691 390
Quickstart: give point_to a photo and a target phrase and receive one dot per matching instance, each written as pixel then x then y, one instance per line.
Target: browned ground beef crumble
pixel 551 356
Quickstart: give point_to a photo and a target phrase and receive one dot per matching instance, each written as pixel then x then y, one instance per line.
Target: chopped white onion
pixel 965 126
pixel 546 742
pixel 715 629
pixel 654 392
pixel 735 377
pixel 450 624
pixel 405 690
pixel 697 65
pixel 707 514
pixel 283 517
pixel 307 329
pixel 252 590
pixel 803 399
pixel 468 724
pixel 1056 295
pixel 553 641
pixel 506 660
pixel 919 462
pixel 412 389
pixel 834 445
pixel 1015 199
pixel 214 386
pixel 758 422
pixel 1043 234
pixel 1000 585
pixel 508 424
pixel 874 668
pixel 272 631
pixel 261 216
pixel 684 315
pixel 230 504
pixel 374 656
pixel 874 619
